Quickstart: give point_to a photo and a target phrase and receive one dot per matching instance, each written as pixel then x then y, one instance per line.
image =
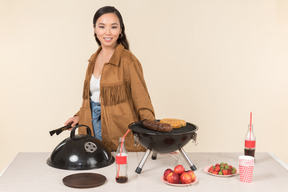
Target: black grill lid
pixel 80 152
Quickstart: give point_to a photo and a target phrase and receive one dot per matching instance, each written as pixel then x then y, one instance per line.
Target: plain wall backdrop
pixel 210 62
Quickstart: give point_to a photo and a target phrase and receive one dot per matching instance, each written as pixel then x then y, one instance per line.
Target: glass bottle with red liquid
pixel 121 162
pixel 250 140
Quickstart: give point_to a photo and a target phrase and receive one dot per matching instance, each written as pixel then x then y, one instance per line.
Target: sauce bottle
pixel 250 142
pixel 121 162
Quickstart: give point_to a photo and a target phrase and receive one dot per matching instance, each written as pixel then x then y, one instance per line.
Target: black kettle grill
pixel 80 152
pixel 163 142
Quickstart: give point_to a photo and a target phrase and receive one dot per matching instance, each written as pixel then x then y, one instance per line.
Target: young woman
pixel 115 92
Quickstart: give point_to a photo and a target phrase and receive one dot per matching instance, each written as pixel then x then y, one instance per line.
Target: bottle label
pixel 121 159
pixel 250 144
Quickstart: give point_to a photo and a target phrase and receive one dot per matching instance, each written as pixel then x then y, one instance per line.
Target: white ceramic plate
pixel 207 168
pixel 178 185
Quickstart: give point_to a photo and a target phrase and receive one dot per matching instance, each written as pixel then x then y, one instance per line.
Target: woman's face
pixel 108 29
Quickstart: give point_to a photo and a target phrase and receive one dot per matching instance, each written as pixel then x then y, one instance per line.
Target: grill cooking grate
pixel 138 127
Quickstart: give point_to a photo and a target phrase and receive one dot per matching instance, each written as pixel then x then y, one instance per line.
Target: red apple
pixel 185 178
pixel 166 172
pixel 173 178
pixel 190 172
pixel 179 169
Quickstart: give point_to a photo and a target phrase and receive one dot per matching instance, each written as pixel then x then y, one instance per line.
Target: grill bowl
pixel 163 142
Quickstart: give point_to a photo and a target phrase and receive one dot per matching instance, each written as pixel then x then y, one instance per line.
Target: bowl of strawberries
pixel 221 169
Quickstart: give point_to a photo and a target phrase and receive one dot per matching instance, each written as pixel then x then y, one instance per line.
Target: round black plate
pixel 84 180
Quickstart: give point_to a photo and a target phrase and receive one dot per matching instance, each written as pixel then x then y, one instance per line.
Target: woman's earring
pixel 120 36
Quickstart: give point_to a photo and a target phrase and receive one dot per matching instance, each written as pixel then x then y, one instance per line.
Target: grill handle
pixel 136 140
pixel 72 134
pixel 194 138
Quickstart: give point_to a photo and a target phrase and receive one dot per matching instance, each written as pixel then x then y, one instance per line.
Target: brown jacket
pixel 124 98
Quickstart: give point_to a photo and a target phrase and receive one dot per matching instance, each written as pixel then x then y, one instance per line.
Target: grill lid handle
pixel 72 134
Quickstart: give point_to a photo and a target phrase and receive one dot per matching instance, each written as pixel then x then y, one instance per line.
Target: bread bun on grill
pixel 176 123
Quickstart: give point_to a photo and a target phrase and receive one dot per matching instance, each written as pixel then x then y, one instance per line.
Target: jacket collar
pixel 115 59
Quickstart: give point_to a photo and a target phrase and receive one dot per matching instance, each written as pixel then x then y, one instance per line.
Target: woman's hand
pixel 74 120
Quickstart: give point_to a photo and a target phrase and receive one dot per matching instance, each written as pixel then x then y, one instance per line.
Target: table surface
pixel 29 172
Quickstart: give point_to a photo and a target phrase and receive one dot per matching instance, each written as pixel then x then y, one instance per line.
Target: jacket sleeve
pixel 77 114
pixel 139 91
pixel 85 95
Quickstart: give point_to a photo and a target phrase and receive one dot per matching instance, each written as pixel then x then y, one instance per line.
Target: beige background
pixel 209 62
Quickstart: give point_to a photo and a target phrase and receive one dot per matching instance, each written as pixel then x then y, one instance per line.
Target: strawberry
pixel 229 172
pixel 215 173
pixel 225 172
pixel 217 169
pixel 211 169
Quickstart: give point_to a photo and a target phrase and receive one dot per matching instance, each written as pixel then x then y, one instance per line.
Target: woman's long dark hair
pixel 108 9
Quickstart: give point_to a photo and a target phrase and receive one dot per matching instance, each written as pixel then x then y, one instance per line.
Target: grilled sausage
pixel 157 126
pixel 153 125
pixel 166 127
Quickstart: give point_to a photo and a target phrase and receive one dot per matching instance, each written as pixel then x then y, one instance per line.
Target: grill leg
pixel 142 162
pixel 192 166
pixel 154 155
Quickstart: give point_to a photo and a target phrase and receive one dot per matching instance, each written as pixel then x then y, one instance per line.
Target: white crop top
pixel 95 88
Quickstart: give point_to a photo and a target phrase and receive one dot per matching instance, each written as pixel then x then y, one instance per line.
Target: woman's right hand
pixel 74 120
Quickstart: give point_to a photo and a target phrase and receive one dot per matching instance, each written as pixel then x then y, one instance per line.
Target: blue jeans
pixel 96 119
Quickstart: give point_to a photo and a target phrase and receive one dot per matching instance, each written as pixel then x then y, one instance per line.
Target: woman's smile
pixel 108 29
pixel 107 38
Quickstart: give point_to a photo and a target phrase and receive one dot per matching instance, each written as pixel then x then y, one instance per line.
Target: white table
pixel 29 172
